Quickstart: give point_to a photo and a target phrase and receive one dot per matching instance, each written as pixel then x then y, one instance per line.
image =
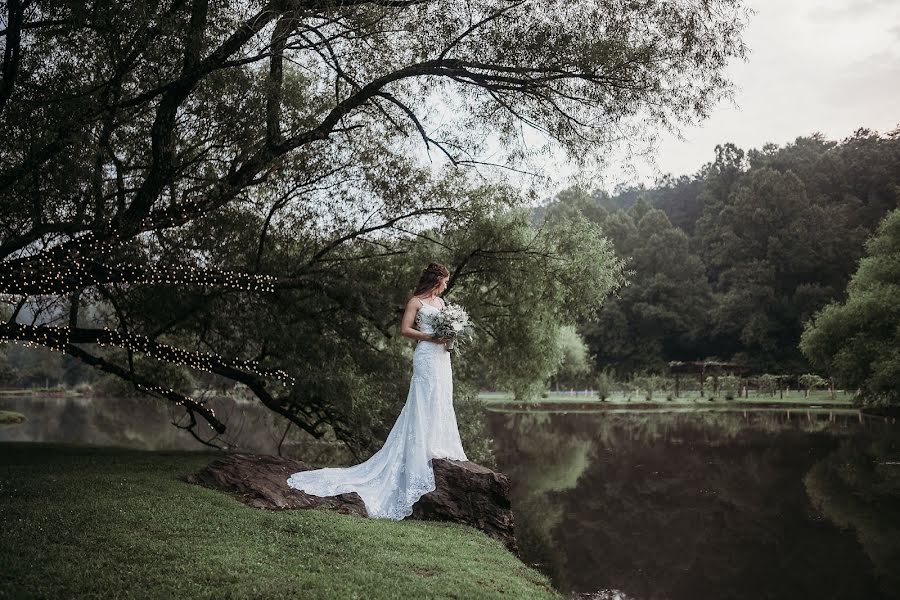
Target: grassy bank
pixel 11 417
pixel 79 522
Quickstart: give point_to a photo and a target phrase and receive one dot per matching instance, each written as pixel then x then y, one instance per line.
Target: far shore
pixel 587 400
pixel 618 400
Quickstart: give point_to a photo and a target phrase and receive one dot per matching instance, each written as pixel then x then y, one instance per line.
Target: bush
pixel 603 382
pixel 767 383
pixel 730 384
pixel 84 388
pixel 648 383
pixel 810 381
pixel 525 391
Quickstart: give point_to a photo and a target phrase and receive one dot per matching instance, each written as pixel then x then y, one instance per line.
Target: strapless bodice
pixel 423 320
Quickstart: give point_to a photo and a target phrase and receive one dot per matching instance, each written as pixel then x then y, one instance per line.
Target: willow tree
pixel 181 161
pixel 857 340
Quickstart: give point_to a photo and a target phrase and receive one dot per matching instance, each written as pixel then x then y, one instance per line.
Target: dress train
pixel 393 479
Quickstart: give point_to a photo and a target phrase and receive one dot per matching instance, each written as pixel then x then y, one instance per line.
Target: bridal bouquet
pixel 453 322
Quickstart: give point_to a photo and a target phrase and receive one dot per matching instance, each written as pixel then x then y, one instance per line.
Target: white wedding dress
pixel 396 476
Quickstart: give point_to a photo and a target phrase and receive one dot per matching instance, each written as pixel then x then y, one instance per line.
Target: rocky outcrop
pixel 468 493
pixel 465 492
pixel 260 481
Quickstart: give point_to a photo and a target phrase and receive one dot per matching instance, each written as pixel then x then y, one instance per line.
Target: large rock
pixel 468 493
pixel 465 492
pixel 260 481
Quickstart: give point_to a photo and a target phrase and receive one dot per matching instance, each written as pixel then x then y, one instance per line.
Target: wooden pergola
pixel 703 368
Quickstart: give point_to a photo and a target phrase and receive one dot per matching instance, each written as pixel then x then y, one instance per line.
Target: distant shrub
pixel 84 388
pixel 729 384
pixel 810 381
pixel 603 382
pixel 647 383
pixel 767 383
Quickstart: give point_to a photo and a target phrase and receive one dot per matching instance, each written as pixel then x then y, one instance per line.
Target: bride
pixel 394 478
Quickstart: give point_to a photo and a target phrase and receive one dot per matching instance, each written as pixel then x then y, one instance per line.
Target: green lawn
pixel 817 397
pixel 80 522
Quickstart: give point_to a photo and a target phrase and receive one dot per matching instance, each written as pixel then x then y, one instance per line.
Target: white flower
pixel 453 322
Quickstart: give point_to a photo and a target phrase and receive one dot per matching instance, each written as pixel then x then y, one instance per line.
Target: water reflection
pixel 143 423
pixel 756 504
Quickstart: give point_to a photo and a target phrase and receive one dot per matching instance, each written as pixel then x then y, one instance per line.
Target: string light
pixel 66 268
pixel 70 267
pixel 58 338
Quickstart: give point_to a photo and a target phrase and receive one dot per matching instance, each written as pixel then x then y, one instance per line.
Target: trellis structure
pixel 703 368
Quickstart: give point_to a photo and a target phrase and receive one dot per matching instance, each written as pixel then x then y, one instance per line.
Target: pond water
pixel 143 423
pixel 630 505
pixel 687 505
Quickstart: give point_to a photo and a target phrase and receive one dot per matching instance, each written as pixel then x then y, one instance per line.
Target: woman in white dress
pixel 396 476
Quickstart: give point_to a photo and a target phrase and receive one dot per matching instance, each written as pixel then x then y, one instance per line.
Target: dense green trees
pixel 754 245
pixel 858 340
pixel 659 314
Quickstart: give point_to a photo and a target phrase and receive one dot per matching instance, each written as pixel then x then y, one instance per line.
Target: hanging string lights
pixel 74 265
pixel 58 338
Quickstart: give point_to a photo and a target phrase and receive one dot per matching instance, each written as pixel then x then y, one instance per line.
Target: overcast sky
pixel 814 65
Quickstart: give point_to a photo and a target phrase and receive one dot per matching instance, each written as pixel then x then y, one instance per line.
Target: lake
pixel 706 504
pixel 631 505
pixel 143 423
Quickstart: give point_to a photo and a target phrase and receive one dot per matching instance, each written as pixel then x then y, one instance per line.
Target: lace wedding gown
pixel 394 478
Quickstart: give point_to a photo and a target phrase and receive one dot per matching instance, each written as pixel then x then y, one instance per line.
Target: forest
pixel 735 261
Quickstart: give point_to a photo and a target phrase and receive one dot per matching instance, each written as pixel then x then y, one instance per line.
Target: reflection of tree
pixel 542 464
pixel 676 506
pixel 858 488
pixel 137 423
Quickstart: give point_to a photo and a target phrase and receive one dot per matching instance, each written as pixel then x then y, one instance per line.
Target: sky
pixel 827 66
pixel 831 66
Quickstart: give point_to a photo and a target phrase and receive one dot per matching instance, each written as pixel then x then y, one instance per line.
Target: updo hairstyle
pixel 430 277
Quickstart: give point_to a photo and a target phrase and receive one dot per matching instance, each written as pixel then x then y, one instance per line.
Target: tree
pixel 781 232
pixel 663 312
pixel 564 273
pixel 7 373
pixel 680 199
pixel 760 246
pixel 575 362
pixel 810 381
pixel 858 340
pixel 183 161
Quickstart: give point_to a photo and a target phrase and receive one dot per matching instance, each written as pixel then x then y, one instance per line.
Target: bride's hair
pixel 430 276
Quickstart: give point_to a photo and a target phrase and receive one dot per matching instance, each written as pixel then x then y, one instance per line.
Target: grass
pixel 11 417
pixel 86 522
pixel 798 398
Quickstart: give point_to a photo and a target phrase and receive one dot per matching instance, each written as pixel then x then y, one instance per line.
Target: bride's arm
pixel 406 323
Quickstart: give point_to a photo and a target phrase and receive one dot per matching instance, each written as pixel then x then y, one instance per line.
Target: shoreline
pixel 663 405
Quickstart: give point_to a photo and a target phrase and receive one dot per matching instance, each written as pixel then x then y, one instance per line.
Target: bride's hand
pixel 441 340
